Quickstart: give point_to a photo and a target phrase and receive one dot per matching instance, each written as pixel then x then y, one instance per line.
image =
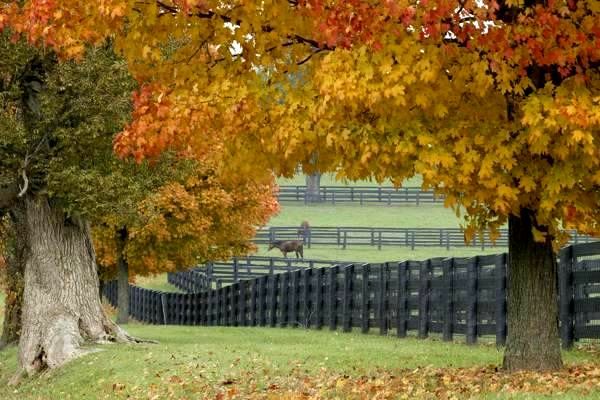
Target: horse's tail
pixel 300 250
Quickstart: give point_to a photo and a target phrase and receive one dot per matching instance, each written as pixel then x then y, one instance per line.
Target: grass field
pixel 201 362
pixel 405 216
pixel 371 254
pixel 156 282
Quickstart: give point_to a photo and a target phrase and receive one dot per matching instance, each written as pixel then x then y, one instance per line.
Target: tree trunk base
pixel 61 306
pixel 532 337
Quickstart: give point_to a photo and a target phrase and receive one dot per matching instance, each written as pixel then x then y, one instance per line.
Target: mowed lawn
pixel 382 216
pixel 276 363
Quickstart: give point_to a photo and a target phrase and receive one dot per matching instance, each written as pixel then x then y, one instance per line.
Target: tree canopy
pixel 495 103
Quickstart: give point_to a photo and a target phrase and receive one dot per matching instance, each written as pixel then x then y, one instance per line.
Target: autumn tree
pixel 494 103
pixel 203 213
pixel 55 144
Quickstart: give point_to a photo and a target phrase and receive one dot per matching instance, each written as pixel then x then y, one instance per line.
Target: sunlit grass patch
pixel 245 363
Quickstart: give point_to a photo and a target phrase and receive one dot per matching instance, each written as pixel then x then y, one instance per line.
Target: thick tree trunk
pixel 15 259
pixel 61 307
pixel 533 339
pixel 122 278
pixel 313 187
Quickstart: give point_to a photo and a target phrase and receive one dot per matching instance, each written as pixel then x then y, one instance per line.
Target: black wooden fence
pixel 345 236
pixel 361 195
pixel 448 296
pixel 215 274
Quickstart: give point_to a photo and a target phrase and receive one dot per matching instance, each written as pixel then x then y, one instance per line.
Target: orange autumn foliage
pixel 207 217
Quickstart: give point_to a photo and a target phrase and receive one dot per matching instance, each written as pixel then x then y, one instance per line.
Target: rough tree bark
pixel 15 261
pixel 313 187
pixel 61 307
pixel 533 338
pixel 122 278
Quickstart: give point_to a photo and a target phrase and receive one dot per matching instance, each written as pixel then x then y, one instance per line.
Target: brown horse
pixel 287 246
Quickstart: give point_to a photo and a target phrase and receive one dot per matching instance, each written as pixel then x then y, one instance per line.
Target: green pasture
pixel 216 357
pixel 391 253
pixel 156 282
pixel 398 216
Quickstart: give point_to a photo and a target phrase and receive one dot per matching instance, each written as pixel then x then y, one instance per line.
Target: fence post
pixel 364 309
pixel 242 303
pixel 338 236
pixel 273 284
pixel 381 299
pixel 471 334
pixel 347 303
pixel 332 297
pixel 253 298
pixel 235 270
pixel 307 277
pixel 345 240
pixel 412 240
pixel 402 299
pixel 424 288
pixel 448 295
pixel 295 298
pixel 163 302
pixel 262 300
pixel 379 240
pixel 565 279
pixel 500 272
pixel 209 306
pixel 319 298
pixel 284 299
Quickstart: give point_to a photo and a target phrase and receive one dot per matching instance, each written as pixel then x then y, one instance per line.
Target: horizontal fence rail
pixel 445 296
pixel 216 274
pixel 360 195
pixel 346 236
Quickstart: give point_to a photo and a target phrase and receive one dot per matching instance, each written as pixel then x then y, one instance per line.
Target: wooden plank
pixel 471 336
pixel 365 312
pixel 242 310
pixel 347 299
pixel 332 297
pixel 284 296
pixel 318 293
pixel 565 287
pixel 500 311
pixel 293 304
pixel 253 302
pixel 448 291
pixel 402 300
pixel 262 300
pixel 306 302
pixel 424 281
pixel 273 286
